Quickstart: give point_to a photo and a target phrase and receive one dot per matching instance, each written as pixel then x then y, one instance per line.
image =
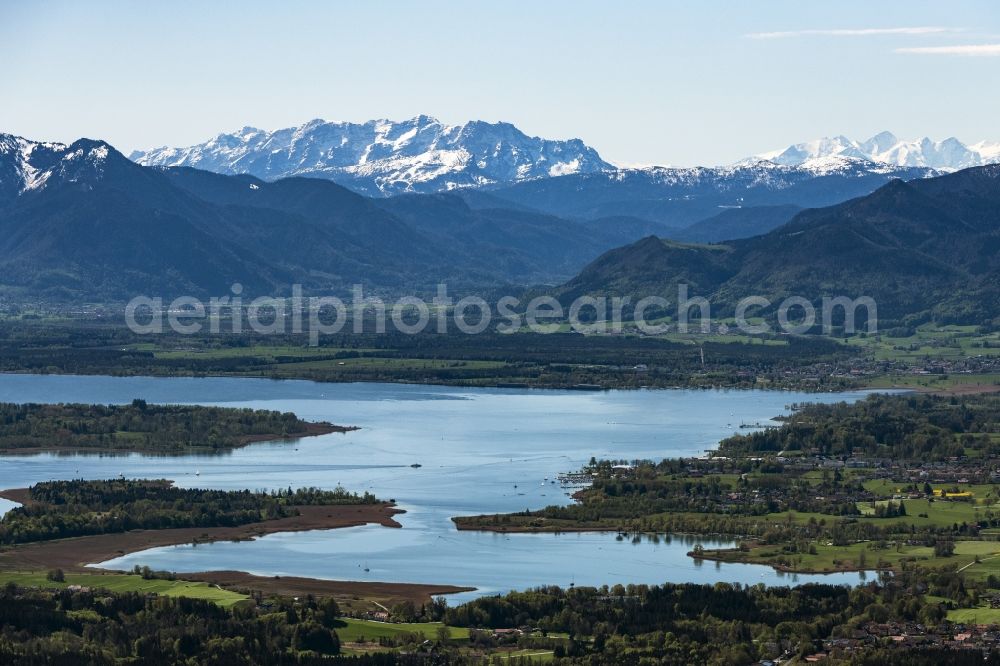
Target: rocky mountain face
pixel 384 157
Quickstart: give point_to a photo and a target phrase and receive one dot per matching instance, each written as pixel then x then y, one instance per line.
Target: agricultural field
pixel 354 631
pixel 536 656
pixel 383 363
pixel 265 353
pixel 931 342
pixel 980 615
pixel 127 583
pixel 934 382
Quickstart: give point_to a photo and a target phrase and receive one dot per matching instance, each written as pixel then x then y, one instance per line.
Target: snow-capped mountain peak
pixel 28 166
pixel 885 148
pixel 382 157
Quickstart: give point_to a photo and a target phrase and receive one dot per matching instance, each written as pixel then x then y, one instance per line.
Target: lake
pixel 480 451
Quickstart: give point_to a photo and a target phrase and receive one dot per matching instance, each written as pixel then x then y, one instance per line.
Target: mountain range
pixel 885 148
pixel 925 248
pixel 567 178
pixel 677 198
pixel 385 157
pixel 83 221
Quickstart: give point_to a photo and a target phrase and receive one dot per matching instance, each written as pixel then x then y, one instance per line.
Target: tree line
pixel 909 427
pixel 139 427
pixel 61 509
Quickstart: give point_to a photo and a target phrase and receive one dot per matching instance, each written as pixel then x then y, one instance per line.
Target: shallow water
pixel 481 450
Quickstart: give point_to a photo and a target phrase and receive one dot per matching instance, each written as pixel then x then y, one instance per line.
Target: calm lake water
pixel 481 451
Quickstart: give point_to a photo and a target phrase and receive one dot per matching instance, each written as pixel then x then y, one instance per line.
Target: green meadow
pixel 127 583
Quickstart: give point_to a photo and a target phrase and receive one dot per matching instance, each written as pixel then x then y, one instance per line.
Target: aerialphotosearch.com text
pixel 471 315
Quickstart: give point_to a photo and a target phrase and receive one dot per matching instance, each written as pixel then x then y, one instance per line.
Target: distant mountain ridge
pixel 385 157
pixel 382 158
pixel 678 197
pixel 423 155
pixel 733 223
pixel 885 148
pixel 82 221
pixel 927 248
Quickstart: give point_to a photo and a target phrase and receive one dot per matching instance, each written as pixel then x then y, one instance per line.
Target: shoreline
pixel 710 556
pixel 74 554
pixel 313 429
pixel 609 529
pixel 528 529
pixel 806 387
pixel 299 586
pixel 803 387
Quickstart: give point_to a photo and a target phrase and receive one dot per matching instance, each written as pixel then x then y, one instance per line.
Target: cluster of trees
pixel 890 510
pixel 704 624
pixel 910 427
pixel 925 657
pixel 769 530
pixel 635 609
pixel 60 509
pixel 634 624
pixel 663 498
pixel 138 427
pixel 84 627
pixel 651 488
pixel 721 623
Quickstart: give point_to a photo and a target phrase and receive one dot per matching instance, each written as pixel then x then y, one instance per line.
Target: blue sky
pixel 643 82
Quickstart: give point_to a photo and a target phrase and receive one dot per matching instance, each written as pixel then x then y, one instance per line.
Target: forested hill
pixel 91 225
pixel 922 249
pixel 81 222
